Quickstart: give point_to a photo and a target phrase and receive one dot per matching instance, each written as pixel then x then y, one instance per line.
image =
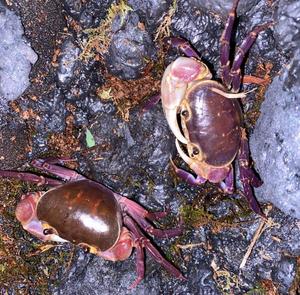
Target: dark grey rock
pixel 223 7
pixel 68 59
pixel 13 141
pixel 286 270
pixel 200 28
pixel 287 29
pixel 88 13
pixel 16 57
pixel 150 11
pixel 203 30
pixel 275 142
pixel 130 48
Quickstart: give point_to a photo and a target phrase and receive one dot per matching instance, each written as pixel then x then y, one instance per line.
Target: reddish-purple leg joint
pixel 140 263
pixel 232 76
pixel 148 228
pixel 183 46
pixel 27 176
pixel 144 242
pixel 64 173
pixel 157 215
pixel 241 52
pixel 228 184
pixel 248 177
pixel 225 45
pixel 150 103
pixel 140 214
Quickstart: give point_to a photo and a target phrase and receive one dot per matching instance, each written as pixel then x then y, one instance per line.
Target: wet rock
pixel 286 271
pixel 200 28
pixel 223 7
pixel 131 150
pixel 43 23
pixel 203 30
pixel 93 273
pixel 275 142
pixel 287 29
pixel 130 48
pixel 150 11
pixel 89 13
pixel 67 61
pixel 267 260
pixel 14 142
pixel 16 59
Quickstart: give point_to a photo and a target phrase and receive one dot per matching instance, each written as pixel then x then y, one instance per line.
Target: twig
pixel 190 246
pixel 262 227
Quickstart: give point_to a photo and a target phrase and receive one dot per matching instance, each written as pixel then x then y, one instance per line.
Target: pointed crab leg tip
pixel 134 284
pixel 171 116
pixel 183 278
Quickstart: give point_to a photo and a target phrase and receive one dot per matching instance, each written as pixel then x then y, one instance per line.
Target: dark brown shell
pixel 82 212
pixel 214 124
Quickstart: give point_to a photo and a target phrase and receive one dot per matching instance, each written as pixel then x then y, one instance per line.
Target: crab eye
pixel 48 231
pixel 86 249
pixel 185 113
pixel 195 151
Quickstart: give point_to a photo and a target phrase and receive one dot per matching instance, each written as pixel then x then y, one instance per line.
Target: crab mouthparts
pixel 171 116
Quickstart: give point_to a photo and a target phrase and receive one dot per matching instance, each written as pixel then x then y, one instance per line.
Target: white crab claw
pixel 182 154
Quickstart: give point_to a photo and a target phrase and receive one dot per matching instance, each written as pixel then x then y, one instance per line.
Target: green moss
pixel 257 290
pixel 194 216
pixel 99 38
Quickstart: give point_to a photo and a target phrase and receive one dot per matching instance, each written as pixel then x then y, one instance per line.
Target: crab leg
pixel 30 177
pixel 64 173
pixel 228 184
pixel 232 76
pixel 140 215
pixel 140 264
pixel 182 45
pixel 242 50
pixel 157 215
pixel 247 175
pixel 188 177
pixel 150 103
pixel 127 203
pixel 225 45
pixel 144 242
pixel 148 228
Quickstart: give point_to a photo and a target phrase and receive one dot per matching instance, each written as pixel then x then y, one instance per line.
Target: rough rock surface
pixel 223 7
pixel 276 140
pixel 151 11
pixel 16 57
pixel 131 46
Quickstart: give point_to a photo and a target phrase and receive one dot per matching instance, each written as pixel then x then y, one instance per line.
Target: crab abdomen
pixel 82 212
pixel 214 124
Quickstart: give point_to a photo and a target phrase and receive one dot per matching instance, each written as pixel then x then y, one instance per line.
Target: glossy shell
pixel 214 123
pixel 82 212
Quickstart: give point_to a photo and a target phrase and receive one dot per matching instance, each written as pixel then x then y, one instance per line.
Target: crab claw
pixel 174 84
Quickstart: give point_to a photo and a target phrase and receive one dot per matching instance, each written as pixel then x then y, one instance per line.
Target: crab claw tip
pixel 171 117
pixel 182 154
